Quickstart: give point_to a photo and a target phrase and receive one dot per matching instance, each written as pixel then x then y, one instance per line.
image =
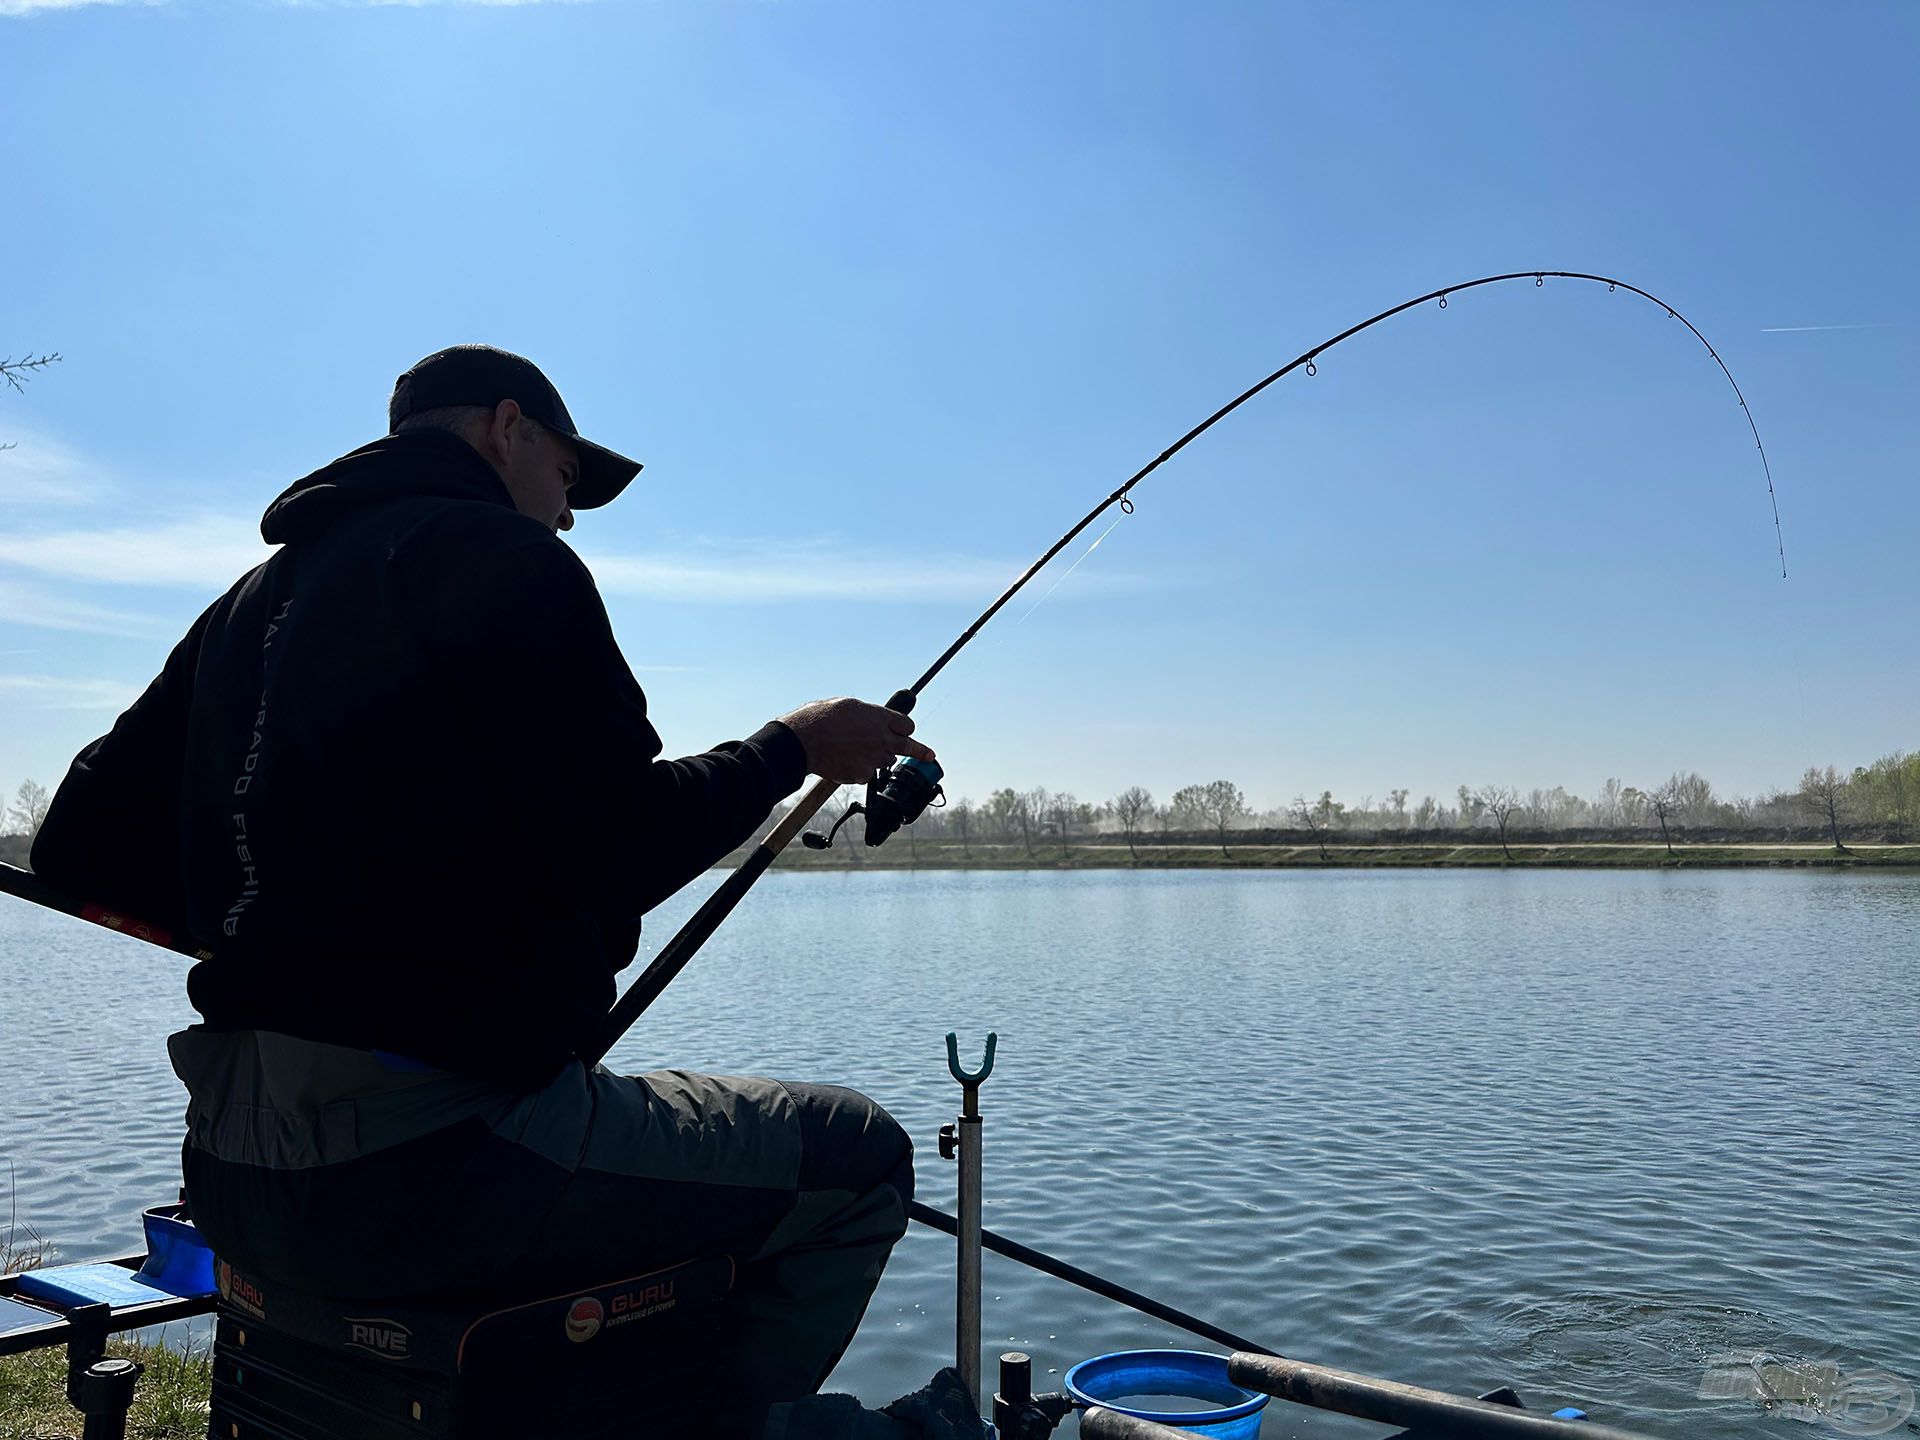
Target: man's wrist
pixel 785 755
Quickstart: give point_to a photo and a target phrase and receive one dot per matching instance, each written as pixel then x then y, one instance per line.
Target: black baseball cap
pixel 484 375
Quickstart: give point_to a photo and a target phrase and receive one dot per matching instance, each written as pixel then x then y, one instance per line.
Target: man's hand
pixel 847 740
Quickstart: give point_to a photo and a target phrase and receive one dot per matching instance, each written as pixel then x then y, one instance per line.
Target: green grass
pixel 169 1404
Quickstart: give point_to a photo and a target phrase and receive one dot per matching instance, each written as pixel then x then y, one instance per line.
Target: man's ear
pixel 503 431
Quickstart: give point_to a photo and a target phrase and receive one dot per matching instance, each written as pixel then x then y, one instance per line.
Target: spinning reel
pixel 895 797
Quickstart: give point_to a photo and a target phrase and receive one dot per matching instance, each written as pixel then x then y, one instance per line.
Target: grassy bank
pixel 902 853
pixel 170 1403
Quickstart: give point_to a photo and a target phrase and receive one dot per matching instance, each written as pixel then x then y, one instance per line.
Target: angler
pixel 388 1098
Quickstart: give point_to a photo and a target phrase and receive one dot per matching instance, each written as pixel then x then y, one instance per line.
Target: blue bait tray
pixel 1106 1380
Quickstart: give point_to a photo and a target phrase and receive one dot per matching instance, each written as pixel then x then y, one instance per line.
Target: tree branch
pixel 16 372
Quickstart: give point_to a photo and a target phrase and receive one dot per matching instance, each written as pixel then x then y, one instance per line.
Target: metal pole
pixel 1432 1412
pixel 962 1139
pixel 105 1396
pixel 967 1306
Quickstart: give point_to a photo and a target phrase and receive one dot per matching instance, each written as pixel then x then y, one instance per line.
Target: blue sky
pixel 887 295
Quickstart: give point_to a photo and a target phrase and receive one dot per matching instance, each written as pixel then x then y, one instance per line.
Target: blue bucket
pixel 178 1260
pixel 1233 1412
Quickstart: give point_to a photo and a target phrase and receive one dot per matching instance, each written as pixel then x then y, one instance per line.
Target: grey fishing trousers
pixel 359 1176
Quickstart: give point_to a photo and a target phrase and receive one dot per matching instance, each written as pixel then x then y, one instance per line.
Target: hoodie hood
pixel 420 462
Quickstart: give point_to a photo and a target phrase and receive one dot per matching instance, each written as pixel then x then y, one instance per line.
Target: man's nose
pixel 565 522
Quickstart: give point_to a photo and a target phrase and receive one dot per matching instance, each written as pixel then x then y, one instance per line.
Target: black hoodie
pixel 400 781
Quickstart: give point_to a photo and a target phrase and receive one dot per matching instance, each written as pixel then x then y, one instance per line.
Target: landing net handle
pixel 1431 1414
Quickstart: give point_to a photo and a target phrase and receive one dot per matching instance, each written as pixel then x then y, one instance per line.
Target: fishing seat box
pixel 634 1357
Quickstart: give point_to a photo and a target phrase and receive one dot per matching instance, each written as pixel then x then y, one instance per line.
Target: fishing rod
pixel 25 885
pixel 897 796
pixel 925 1214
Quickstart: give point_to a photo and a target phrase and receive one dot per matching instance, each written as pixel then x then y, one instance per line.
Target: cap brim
pixel 603 475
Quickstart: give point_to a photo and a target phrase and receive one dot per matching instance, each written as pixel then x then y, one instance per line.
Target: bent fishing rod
pixel 897 796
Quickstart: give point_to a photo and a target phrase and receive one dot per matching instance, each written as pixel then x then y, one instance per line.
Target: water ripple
pixel 1580 1133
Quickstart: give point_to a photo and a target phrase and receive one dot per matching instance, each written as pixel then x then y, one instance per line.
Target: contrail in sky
pixel 1802 329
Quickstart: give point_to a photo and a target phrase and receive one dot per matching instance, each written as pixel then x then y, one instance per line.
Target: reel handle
pixel 901 700
pixel 804 810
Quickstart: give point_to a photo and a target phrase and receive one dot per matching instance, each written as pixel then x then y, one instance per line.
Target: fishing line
pixel 1070 569
pixel 681 948
pixel 940 705
pixel 1309 359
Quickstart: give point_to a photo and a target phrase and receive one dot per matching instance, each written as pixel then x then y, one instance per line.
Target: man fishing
pixel 401 783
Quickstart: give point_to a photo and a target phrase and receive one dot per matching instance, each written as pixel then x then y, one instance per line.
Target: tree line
pixel 1883 798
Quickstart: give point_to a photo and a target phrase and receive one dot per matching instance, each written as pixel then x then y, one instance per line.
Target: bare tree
pixel 960 816
pixel 1167 819
pixel 1606 805
pixel 1397 802
pixel 1130 807
pixel 1032 814
pixel 1187 808
pixel 1222 804
pixel 1499 802
pixel 1693 798
pixel 1552 809
pixel 1633 806
pixel 1002 813
pixel 1316 817
pixel 1661 802
pixel 29 809
pixel 1824 792
pixel 16 373
pixel 1063 809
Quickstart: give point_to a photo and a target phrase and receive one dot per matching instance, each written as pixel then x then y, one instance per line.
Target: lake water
pixel 1586 1133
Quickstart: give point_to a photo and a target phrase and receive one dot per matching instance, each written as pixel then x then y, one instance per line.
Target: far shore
pixel 1104 853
